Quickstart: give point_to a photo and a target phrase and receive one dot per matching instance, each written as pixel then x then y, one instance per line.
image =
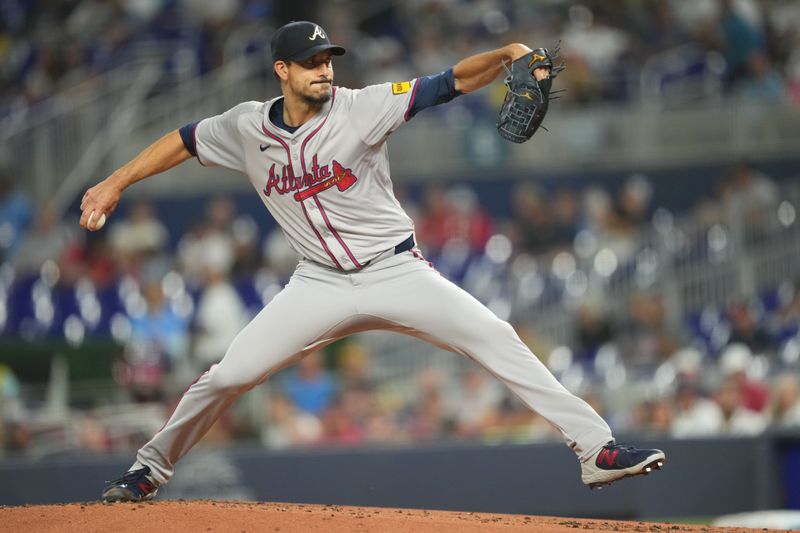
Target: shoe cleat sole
pixel 116 495
pixel 646 469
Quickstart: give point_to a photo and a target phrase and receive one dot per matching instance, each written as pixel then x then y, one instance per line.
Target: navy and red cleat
pixel 615 461
pixel 134 486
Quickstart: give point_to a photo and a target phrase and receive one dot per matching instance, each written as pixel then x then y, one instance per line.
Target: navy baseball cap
pixel 300 40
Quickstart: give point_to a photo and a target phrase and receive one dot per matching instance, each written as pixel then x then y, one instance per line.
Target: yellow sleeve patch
pixel 401 87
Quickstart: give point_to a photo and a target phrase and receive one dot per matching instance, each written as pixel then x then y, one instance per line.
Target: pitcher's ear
pixel 281 69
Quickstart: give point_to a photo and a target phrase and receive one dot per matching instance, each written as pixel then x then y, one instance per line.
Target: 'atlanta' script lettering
pixel 317 180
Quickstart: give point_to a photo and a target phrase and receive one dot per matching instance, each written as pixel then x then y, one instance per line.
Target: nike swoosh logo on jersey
pixel 263 147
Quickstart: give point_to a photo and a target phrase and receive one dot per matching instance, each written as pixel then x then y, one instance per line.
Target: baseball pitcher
pixel 317 158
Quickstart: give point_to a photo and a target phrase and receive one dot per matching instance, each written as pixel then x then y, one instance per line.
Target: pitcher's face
pixel 312 78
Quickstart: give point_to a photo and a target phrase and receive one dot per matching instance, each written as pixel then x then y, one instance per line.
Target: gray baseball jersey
pixel 327 184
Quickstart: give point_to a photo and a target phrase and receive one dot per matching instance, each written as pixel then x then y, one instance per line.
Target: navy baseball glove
pixel 527 99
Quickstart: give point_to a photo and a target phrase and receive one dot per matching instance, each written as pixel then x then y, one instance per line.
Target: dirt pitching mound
pixel 240 517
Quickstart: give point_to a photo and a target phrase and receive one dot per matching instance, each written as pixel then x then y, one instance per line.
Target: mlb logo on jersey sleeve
pixel 401 87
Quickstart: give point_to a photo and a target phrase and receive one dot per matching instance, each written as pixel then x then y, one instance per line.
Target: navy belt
pixel 405 246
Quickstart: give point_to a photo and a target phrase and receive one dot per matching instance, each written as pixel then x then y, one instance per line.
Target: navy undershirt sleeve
pixel 434 90
pixel 187 136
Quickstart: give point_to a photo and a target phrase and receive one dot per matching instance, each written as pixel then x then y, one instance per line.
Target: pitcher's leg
pixel 304 314
pixel 417 297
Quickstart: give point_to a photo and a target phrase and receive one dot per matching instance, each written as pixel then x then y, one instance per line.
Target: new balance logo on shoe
pixel 607 456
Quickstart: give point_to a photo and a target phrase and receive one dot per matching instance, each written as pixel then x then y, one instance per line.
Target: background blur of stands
pixel 647 248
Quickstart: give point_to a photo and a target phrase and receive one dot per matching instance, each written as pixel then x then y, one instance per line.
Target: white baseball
pixel 100 221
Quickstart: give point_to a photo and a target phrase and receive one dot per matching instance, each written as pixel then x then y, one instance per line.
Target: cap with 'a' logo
pixel 300 40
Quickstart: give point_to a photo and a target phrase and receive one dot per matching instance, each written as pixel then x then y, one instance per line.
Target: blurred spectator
pixel 747 330
pixel 159 326
pixel 664 30
pixel 92 435
pixel 593 330
pixel 50 238
pixel 386 54
pixel 644 337
pixel 209 241
pixel 142 371
pixel 695 416
pixel 453 217
pixel 310 386
pixel 353 362
pixel 14 420
pixel 286 426
pixel 190 253
pixel 469 222
pixel 18 435
pixel 793 76
pixel 247 259
pixel 599 220
pixel 341 421
pixel 785 403
pixel 220 313
pixel 92 258
pixel 741 39
pixel 749 191
pixel 514 422
pixel 430 52
pixel 584 86
pixel 786 319
pixel 16 213
pixel 566 213
pixel 653 417
pixel 533 220
pixel 427 418
pixel 139 242
pixel 736 418
pixel 432 228
pixel 588 36
pixel 633 206
pixel 278 255
pixel 763 85
pixel 141 232
pixel 221 213
pixel 687 362
pixel 735 363
pixel 224 430
pixel 476 403
pixel 381 427
pixel 616 223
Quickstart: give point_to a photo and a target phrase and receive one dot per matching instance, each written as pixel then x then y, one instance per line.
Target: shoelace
pixel 131 476
pixel 622 446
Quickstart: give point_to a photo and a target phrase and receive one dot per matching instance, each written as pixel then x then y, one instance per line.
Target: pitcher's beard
pixel 320 99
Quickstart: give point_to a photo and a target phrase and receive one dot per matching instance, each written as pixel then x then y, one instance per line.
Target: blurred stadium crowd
pixel 172 297
pixel 751 47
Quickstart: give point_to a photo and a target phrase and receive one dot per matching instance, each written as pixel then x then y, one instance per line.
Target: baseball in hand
pixel 100 221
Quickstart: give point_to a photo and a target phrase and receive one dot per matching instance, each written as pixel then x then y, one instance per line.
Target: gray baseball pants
pixel 400 293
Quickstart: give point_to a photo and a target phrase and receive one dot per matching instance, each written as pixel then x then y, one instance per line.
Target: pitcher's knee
pixel 493 330
pixel 504 328
pixel 222 380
